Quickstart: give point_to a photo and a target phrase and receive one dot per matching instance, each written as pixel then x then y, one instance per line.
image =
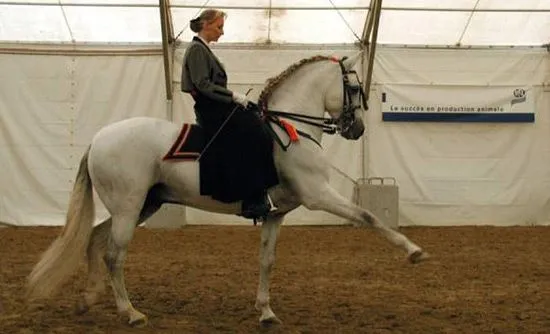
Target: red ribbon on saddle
pixel 290 129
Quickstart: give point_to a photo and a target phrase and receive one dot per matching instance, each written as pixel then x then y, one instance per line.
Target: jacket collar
pixel 201 41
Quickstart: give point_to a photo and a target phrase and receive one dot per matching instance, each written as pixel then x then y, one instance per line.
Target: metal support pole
pixel 369 44
pixel 171 37
pixel 163 6
pixel 372 44
pixel 368 24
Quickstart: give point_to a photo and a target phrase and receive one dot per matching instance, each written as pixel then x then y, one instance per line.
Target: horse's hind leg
pixel 97 248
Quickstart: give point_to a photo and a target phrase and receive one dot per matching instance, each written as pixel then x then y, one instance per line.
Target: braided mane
pixel 274 82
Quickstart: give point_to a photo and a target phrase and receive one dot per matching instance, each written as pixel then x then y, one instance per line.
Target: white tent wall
pixel 50 107
pixel 464 173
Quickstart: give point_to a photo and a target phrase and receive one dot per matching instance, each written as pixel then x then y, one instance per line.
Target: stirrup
pixel 259 211
pixel 263 218
pixel 272 205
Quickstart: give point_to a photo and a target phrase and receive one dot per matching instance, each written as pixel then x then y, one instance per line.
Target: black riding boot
pixel 256 206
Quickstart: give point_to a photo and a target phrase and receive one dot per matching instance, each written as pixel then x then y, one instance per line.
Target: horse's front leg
pixel 270 232
pixel 323 197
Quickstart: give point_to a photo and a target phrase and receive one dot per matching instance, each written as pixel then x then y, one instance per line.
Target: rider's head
pixel 209 24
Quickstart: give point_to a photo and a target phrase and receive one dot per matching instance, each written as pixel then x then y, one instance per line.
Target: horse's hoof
pixel 138 323
pixel 81 307
pixel 418 256
pixel 270 322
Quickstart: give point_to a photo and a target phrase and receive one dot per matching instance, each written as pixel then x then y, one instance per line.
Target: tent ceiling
pixel 410 22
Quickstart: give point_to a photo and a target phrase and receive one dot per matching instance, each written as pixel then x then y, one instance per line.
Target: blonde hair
pixel 207 15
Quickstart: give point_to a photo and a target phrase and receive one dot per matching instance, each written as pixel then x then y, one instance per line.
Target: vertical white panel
pixel 418 27
pixel 50 107
pixel 508 29
pixel 246 26
pixel 464 173
pixel 114 24
pixel 457 4
pixel 33 24
pixel 513 4
pixel 316 26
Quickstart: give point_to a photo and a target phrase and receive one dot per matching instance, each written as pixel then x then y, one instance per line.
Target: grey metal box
pixel 379 195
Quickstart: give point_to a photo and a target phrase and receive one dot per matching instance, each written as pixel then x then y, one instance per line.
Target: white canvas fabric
pixel 447 173
pixel 50 107
pixel 464 173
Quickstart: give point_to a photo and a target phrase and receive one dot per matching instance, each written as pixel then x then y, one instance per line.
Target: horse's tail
pixel 63 256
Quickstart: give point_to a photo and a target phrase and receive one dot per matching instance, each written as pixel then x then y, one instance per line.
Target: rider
pixel 238 162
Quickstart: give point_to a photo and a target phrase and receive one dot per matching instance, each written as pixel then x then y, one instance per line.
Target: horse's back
pixel 138 134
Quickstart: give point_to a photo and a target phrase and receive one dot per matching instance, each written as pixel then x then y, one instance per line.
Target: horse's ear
pixel 351 61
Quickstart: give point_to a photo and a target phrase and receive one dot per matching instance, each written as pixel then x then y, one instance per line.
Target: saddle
pixel 191 141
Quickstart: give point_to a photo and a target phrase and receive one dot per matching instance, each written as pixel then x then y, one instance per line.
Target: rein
pixel 275 120
pixel 325 123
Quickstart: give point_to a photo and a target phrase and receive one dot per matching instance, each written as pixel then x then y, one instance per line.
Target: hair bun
pixel 195 24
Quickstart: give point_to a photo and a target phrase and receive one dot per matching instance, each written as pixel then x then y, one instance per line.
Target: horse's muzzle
pixel 354 131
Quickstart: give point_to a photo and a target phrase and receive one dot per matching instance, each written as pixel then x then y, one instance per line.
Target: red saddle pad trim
pixel 183 149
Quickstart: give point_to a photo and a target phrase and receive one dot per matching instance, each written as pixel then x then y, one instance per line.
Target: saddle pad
pixel 189 144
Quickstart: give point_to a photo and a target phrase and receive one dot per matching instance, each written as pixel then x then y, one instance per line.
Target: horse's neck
pixel 300 95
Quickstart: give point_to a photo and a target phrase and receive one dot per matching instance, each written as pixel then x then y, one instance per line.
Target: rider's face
pixel 214 29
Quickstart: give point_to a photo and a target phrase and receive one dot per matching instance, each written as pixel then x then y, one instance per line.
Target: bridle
pixel 351 91
pixel 353 99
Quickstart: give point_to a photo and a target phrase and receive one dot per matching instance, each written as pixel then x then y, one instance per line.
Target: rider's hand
pixel 241 99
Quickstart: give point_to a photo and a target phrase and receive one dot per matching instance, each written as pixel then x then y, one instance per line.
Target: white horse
pixel 125 165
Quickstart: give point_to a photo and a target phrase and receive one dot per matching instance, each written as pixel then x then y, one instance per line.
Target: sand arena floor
pixel 202 279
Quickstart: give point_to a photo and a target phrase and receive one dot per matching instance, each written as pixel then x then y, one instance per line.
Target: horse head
pixel 344 98
pixel 328 85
